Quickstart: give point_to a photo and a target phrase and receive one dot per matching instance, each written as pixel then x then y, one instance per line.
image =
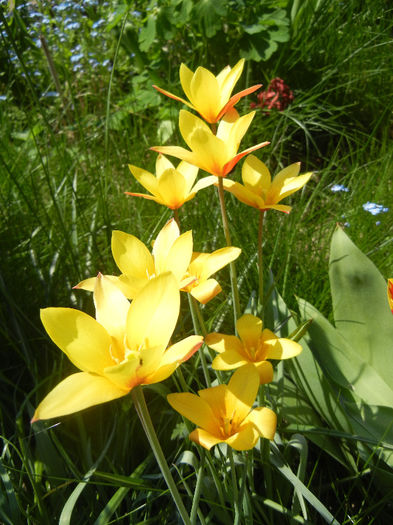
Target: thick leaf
pixel 341 361
pixel 360 308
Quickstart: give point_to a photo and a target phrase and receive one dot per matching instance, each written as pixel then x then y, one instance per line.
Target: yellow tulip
pixel 216 154
pixel 390 293
pixel 253 346
pixel 224 415
pixel 171 186
pixel 202 266
pixel 210 95
pixel 172 252
pixel 125 346
pixel 260 191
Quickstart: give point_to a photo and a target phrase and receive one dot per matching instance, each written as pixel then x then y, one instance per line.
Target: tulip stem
pixel 260 261
pixel 144 416
pixel 234 485
pixel 199 330
pixel 232 267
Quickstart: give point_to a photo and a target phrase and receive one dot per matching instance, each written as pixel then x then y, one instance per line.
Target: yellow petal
pixel 172 188
pixel 244 385
pixel 205 94
pixel 244 194
pixel 195 409
pixel 176 354
pixel 278 207
pixel 295 184
pixel 147 179
pixel 186 76
pixel 163 244
pixel 249 328
pixel 180 153
pixel 256 175
pixel 265 371
pixel 206 291
pixel 245 439
pixel 189 172
pixel 153 313
pixel 224 343
pixel 227 81
pixel 218 259
pixel 86 284
pixel 130 286
pixel 150 358
pixel 75 393
pixel 179 256
pixel 171 95
pixel 131 255
pixel 163 164
pixel 111 307
pixel 229 360
pixel 265 421
pixel 85 342
pixel 204 183
pixel 124 375
pixel 204 438
pixel 146 196
pixel 283 349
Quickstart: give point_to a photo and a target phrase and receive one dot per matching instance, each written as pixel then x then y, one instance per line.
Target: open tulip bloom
pixel 258 188
pixel 253 346
pixel 210 95
pixel 216 154
pixel 171 186
pixel 171 252
pixel 224 413
pixel 125 346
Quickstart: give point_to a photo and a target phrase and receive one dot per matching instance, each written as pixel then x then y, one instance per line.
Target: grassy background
pixel 63 162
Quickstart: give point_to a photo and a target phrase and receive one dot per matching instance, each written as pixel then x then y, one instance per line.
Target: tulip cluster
pixel 129 343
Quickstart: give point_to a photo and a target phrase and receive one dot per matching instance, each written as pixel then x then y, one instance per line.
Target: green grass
pixel 63 165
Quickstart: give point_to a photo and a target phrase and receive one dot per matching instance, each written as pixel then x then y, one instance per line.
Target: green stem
pixel 197 329
pixel 232 267
pixel 198 487
pixel 260 261
pixel 144 416
pixel 234 486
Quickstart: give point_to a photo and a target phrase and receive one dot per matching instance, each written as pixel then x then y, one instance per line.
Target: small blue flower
pixel 338 187
pixel 49 94
pixel 76 58
pixel 99 23
pixel 73 26
pixel 374 208
pixel 3 97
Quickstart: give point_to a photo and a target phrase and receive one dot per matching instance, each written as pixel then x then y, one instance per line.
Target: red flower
pixel 277 96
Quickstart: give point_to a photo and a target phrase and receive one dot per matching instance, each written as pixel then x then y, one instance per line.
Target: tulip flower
pixel 172 252
pixel 202 266
pixel 125 346
pixel 253 346
pixel 216 154
pixel 224 415
pixel 171 187
pixel 210 95
pixel 259 191
pixel 390 293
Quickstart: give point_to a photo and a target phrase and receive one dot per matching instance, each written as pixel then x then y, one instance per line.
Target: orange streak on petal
pixel 228 167
pixel 235 99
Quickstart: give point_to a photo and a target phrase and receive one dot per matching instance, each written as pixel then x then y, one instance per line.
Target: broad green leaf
pixel 341 361
pixel 147 34
pixel 211 14
pixel 360 308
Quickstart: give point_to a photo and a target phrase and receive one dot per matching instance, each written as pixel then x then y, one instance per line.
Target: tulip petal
pixel 186 75
pixel 265 371
pixel 249 328
pixel 239 129
pixel 245 439
pixel 204 183
pixel 179 152
pixel 85 342
pixel 163 244
pixel 244 385
pixel 278 207
pixel 147 179
pixel 283 349
pixel 243 194
pixel 265 420
pixel 205 94
pixel 218 259
pixel 224 343
pixel 75 393
pixel 227 79
pixel 206 291
pixel 232 163
pixel 256 175
pixel 171 95
pixel 111 307
pixel 124 375
pixel 158 200
pixel 295 184
pixel 173 188
pixel 229 360
pixel 189 172
pixel 204 438
pixel 153 313
pixel 162 164
pixel 195 409
pixel 179 256
pixel 235 99
pixel 131 255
